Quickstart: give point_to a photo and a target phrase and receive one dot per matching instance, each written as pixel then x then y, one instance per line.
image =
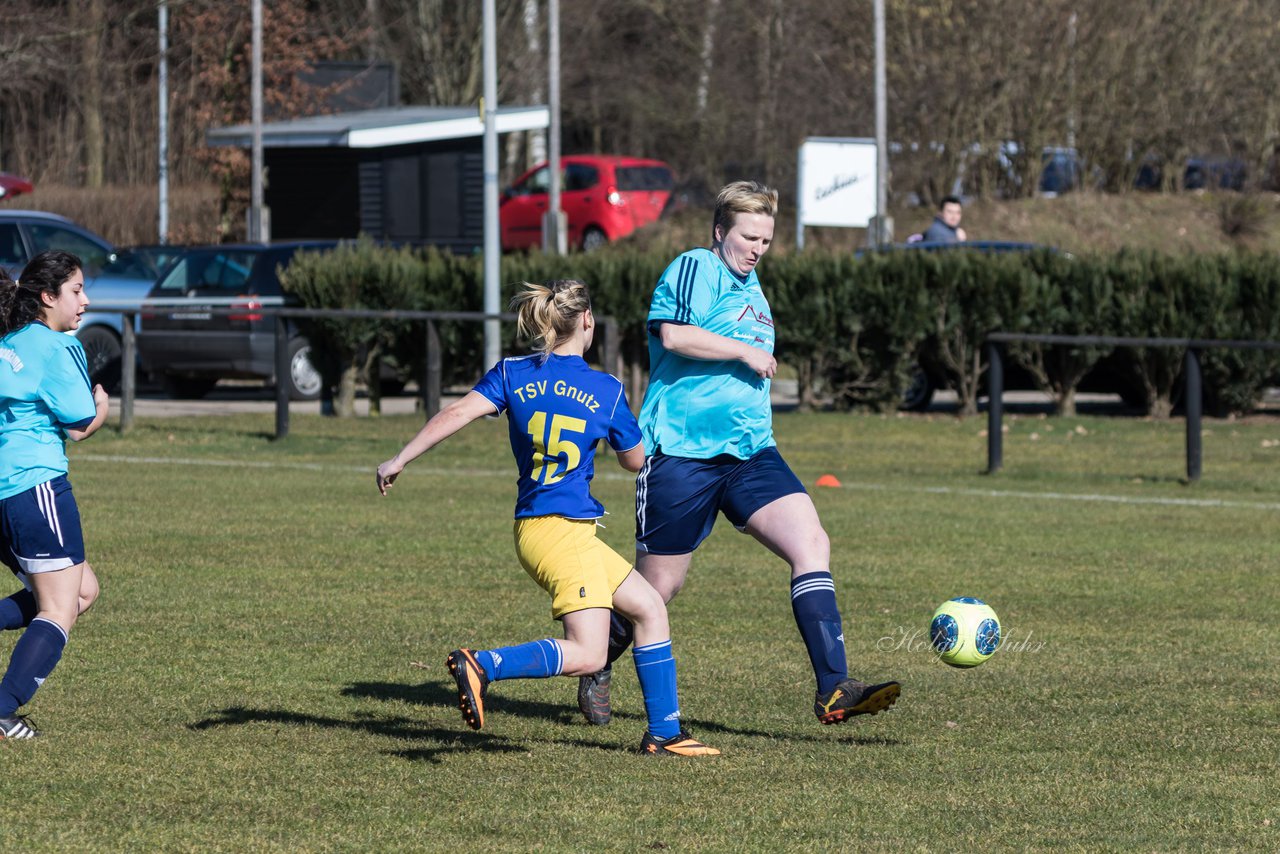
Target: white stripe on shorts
pixel 642 494
pixel 45 498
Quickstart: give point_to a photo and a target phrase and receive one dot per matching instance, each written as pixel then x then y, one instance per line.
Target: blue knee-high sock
pixel 621 634
pixel 18 610
pixel 533 660
pixel 656 670
pixel 34 657
pixel 813 602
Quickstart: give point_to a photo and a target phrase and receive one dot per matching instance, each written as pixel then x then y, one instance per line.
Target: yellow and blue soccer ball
pixel 964 632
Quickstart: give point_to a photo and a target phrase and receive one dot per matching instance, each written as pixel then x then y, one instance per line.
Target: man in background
pixel 945 227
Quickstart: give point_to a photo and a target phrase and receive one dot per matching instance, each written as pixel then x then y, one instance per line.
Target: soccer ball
pixel 965 631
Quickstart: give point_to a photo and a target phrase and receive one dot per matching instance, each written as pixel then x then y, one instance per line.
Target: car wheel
pixel 102 353
pixel 305 381
pixel 593 239
pixel 187 388
pixel 918 394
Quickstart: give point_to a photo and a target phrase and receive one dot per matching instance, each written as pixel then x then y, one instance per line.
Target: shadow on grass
pixel 444 694
pixel 450 741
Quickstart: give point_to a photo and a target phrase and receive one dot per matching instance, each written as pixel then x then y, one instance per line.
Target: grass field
pixel 253 676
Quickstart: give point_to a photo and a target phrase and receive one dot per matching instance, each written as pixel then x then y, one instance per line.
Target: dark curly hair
pixel 20 301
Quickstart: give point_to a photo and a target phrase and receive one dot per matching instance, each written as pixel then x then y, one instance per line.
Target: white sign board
pixel 837 182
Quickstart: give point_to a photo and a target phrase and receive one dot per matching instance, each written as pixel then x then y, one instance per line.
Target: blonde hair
pixel 742 197
pixel 549 313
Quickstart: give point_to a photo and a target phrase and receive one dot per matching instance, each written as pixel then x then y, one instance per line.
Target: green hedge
pixel 855 329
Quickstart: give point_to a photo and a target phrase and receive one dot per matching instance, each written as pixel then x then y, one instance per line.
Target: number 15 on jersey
pixel 554 455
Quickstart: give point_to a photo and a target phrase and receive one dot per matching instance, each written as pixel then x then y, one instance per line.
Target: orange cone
pixel 828 480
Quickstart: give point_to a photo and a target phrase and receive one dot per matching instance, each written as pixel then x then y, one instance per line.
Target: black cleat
pixel 18 727
pixel 678 745
pixel 472 684
pixel 593 697
pixel 852 697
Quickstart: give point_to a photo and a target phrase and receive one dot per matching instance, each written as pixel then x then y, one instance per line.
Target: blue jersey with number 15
pixel 557 411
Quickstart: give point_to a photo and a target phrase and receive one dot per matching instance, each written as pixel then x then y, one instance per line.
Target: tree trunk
pixel 95 148
pixel 373 379
pixel 344 406
pixel 1066 402
pixel 804 386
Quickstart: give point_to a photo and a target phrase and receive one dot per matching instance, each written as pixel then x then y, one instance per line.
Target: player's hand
pixel 100 397
pixel 387 474
pixel 761 362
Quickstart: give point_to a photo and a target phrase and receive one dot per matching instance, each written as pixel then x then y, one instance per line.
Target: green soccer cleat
pixel 593 697
pixel 472 684
pixel 678 745
pixel 852 697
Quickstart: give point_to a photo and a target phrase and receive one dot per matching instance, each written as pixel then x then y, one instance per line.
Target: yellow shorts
pixel 565 558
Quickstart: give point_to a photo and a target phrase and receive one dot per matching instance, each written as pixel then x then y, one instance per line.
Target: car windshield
pixel 93 255
pixel 141 262
pixel 223 270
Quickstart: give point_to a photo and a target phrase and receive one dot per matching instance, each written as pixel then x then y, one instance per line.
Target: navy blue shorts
pixel 40 529
pixel 677 498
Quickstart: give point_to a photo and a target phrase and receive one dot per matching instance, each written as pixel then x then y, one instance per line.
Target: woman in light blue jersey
pixel 708 424
pixel 558 408
pixel 45 398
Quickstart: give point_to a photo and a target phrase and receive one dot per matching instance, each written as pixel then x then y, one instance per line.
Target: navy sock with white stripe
pixel 34 657
pixel 656 670
pixel 18 610
pixel 813 602
pixel 533 660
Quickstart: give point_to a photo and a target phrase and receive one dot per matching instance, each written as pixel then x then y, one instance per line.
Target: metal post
pixel 883 228
pixel 282 377
pixel 431 383
pixel 128 369
pixel 800 199
pixel 1194 404
pixel 995 408
pixel 162 225
pixel 555 236
pixel 492 239
pixel 257 233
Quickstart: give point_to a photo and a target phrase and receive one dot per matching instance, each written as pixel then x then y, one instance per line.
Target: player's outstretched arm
pixel 102 403
pixel 694 342
pixel 442 425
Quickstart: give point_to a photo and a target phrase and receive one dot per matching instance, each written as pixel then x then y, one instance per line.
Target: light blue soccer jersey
pixel 44 389
pixel 556 412
pixel 701 409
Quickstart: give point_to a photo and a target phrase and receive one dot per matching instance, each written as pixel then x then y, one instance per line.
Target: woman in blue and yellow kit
pixel 45 397
pixel 558 408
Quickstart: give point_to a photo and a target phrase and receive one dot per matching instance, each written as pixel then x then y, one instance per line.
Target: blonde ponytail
pixel 549 313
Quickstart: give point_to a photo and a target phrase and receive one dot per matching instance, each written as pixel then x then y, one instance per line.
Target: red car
pixel 604 198
pixel 12 185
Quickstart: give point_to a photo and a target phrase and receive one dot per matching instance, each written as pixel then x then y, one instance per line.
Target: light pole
pixel 882 232
pixel 492 243
pixel 162 178
pixel 554 237
pixel 257 232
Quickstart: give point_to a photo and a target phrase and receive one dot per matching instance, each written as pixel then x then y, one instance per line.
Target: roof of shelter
pixel 381 127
